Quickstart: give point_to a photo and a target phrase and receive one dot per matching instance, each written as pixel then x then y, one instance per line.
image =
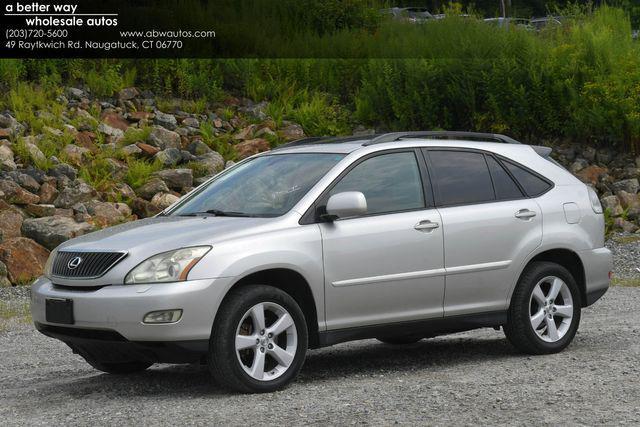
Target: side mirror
pixel 347 204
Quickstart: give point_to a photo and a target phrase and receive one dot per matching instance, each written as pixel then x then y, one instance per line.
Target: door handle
pixel 426 226
pixel 525 214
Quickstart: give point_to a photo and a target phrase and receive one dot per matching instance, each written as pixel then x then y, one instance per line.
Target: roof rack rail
pixel 395 136
pixel 320 140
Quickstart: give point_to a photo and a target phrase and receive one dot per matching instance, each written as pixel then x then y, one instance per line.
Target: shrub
pixel 140 171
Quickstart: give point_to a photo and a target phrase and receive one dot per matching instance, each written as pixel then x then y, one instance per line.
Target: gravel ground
pixel 626 252
pixel 470 378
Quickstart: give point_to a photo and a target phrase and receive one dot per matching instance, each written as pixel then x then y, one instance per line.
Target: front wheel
pixel 259 340
pixel 545 309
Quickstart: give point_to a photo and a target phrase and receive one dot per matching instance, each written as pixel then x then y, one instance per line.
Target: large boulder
pixel 291 132
pixel 176 179
pixel 24 259
pixel 25 181
pixel 128 93
pixel 169 157
pixel 612 203
pixel 591 174
pixel 251 147
pixel 7 162
pixel 106 212
pixel 4 280
pixel 628 185
pixel 163 138
pixel 143 208
pixel 168 121
pixel 53 230
pixel 211 162
pixel 10 221
pixel 162 201
pixel 151 188
pixel 41 210
pixel 48 193
pixel 15 194
pixel 113 133
pixel 115 120
pixel 75 154
pixel 77 192
pixel 198 148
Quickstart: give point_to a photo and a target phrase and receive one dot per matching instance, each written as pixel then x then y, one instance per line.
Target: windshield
pixel 266 186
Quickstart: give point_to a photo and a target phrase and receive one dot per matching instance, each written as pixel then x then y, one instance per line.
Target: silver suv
pixel 398 237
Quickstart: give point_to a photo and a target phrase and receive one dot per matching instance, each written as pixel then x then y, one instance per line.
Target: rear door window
pixel 460 177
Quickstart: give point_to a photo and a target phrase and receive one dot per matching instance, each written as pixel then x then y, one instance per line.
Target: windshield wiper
pixel 218 212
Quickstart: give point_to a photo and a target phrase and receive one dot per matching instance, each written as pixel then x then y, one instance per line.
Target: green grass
pixel 133 135
pixel 221 144
pixel 140 171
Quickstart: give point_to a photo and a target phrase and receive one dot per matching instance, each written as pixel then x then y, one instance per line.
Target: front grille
pixel 90 266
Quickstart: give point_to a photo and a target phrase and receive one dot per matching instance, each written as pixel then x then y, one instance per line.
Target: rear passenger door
pixel 490 225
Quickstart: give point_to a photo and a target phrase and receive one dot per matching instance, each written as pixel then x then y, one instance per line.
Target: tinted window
pixel 461 177
pixel 390 182
pixel 532 184
pixel 505 188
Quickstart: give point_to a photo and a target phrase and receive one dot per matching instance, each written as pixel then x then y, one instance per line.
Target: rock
pixel 246 133
pixel 604 156
pixel 625 225
pixel 151 188
pixel 123 191
pixel 10 221
pixel 4 280
pixel 41 210
pixel 78 192
pixel 143 208
pixel 578 165
pixel 52 131
pixel 117 168
pixel 34 152
pixel 148 150
pixel 212 162
pixel 163 138
pixel 589 153
pixel 85 139
pixel 169 157
pixel 128 93
pixel 229 164
pixel 612 203
pixel 191 122
pixel 198 148
pixel 186 157
pixel 176 179
pixel 15 194
pixel 265 131
pixel 628 200
pixel 7 161
pixel 105 212
pixel 113 133
pixel 75 155
pixel 25 181
pixel 75 93
pixel 136 116
pixel 292 132
pixel 24 259
pixel 162 201
pixel 165 120
pixel 131 150
pixel 10 126
pixel 124 209
pixel 115 120
pixel 53 230
pixel 591 174
pixel 628 185
pixel 48 193
pixel 251 147
pixel 64 169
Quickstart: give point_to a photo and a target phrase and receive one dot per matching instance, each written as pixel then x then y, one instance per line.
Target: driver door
pixel 385 266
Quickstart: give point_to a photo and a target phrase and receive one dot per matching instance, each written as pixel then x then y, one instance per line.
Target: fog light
pixel 162 316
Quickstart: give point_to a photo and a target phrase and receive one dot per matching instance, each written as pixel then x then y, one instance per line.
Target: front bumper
pixel 121 308
pixel 597 265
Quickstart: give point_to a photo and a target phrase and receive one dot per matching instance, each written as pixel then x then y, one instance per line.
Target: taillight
pixel 595 201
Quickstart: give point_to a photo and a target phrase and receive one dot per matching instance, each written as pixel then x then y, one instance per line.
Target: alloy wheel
pixel 266 341
pixel 551 309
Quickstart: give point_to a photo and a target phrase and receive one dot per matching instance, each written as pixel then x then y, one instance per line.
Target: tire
pixel 400 340
pixel 281 355
pixel 119 368
pixel 547 296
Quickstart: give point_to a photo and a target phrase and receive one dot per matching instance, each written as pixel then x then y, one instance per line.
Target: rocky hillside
pixel 88 163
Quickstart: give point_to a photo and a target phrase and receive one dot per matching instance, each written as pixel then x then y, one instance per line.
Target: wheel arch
pixel 570 260
pixel 294 284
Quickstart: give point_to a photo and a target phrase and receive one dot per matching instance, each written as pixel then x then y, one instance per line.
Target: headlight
pixel 173 266
pixel 49 264
pixel 595 201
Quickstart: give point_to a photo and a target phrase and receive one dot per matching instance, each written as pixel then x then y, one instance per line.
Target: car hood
pixel 161 234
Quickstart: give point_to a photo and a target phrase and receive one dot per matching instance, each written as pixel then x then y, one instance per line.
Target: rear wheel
pixel 545 310
pixel 259 340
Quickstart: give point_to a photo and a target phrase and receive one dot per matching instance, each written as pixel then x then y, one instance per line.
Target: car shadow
pixel 338 362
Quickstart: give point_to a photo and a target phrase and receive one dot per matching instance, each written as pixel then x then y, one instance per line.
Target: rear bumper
pixel 120 309
pixel 597 265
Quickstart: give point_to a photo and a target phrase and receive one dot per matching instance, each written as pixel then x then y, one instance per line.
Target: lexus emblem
pixel 74 263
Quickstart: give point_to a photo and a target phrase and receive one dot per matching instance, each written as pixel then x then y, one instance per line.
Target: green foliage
pixel 133 135
pixel 140 171
pixel 221 144
pixel 97 173
pixel 198 169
